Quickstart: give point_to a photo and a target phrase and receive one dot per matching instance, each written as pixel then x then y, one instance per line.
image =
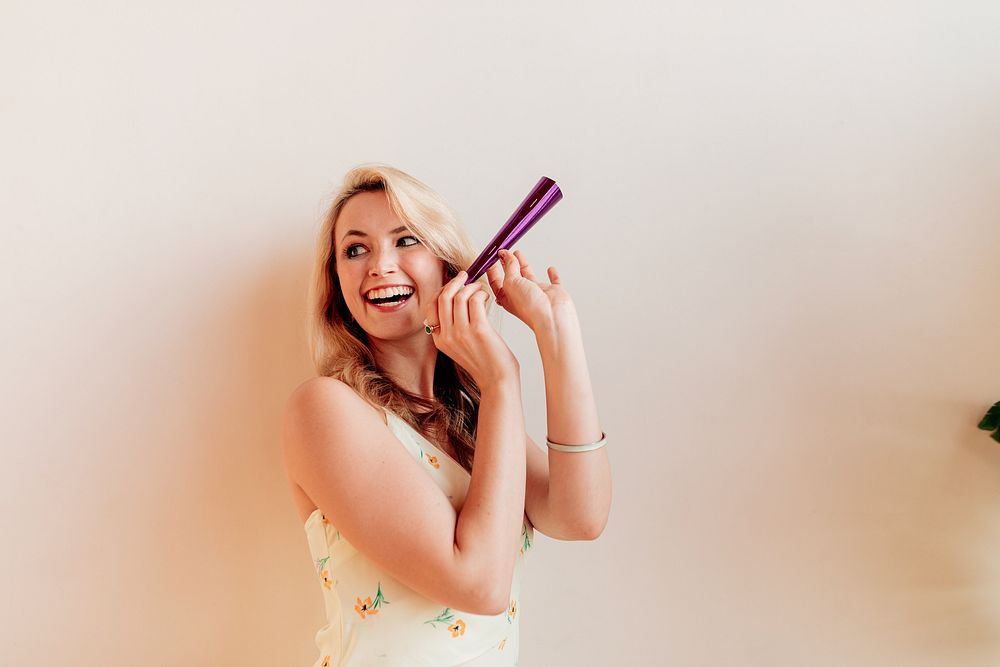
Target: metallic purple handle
pixel 544 196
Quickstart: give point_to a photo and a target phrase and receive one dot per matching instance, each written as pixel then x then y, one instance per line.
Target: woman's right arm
pixel 490 521
pixel 376 494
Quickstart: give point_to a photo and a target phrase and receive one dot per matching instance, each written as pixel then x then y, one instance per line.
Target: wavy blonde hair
pixel 338 344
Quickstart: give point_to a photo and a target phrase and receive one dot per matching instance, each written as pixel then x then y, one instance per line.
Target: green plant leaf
pixel 991 421
pixel 996 436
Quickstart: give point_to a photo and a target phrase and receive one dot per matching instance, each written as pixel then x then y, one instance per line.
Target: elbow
pixel 496 607
pixel 596 527
pixel 577 530
pixel 593 529
pixel 494 601
pixel 591 533
pixel 484 590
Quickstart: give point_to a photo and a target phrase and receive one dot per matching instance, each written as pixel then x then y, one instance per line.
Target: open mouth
pixel 394 301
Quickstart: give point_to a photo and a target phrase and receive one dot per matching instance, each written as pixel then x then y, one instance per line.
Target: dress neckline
pixel 428 442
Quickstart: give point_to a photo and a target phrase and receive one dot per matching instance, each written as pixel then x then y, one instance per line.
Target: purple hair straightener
pixel 542 197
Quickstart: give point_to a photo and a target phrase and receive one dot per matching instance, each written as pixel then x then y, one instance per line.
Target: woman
pixel 407 456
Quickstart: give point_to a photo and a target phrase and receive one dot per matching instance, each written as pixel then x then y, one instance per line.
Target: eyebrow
pixel 355 232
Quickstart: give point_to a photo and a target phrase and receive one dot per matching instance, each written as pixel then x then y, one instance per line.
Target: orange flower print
pixel 457 628
pixel 326 661
pixel 512 612
pixel 364 608
pixel 324 573
pixel 367 607
pixel 503 642
pixel 431 459
pixel 325 520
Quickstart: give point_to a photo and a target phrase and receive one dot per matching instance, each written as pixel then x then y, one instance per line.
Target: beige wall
pixel 781 228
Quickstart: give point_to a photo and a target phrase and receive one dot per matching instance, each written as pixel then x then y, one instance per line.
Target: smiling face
pixel 375 251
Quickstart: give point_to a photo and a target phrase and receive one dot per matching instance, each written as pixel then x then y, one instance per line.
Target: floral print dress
pixel 373 619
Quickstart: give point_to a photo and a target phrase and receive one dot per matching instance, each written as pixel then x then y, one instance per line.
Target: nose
pixel 382 262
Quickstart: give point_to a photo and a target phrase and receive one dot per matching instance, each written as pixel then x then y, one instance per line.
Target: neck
pixel 410 362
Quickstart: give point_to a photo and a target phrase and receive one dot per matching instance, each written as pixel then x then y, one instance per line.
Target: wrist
pixel 561 329
pixel 503 379
pixel 558 316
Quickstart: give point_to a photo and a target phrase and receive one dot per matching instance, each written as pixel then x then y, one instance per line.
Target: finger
pixel 460 305
pixel 495 275
pixel 511 267
pixel 431 309
pixel 554 275
pixel 525 269
pixel 444 301
pixel 477 309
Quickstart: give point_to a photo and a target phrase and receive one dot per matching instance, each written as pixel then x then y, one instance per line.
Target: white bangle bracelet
pixel 578 448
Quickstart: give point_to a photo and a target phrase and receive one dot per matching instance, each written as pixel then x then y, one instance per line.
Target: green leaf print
pixel 527 540
pixel 321 563
pixel 366 606
pixel 379 599
pixel 444 617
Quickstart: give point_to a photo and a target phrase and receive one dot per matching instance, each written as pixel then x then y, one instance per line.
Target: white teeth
pixel 390 304
pixel 387 292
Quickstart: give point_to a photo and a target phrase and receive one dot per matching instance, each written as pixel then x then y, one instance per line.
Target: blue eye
pixel 356 249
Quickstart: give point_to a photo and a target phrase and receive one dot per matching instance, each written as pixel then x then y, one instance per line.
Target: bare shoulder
pixel 347 463
pixel 327 400
pixel 316 412
pixel 320 386
pixel 323 397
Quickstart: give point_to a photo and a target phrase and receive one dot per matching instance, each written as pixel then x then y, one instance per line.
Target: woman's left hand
pixel 521 294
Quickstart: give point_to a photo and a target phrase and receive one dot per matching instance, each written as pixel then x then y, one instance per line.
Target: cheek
pixel 349 283
pixel 348 270
pixel 428 272
pixel 439 270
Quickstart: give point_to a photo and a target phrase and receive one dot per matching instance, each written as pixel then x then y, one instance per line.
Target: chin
pixel 399 332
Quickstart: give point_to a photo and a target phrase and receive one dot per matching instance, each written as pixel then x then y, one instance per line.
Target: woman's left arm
pixel 579 482
pixel 576 500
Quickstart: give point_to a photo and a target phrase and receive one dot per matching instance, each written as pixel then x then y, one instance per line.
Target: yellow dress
pixel 373 619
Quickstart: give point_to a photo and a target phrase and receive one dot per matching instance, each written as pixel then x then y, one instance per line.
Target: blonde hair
pixel 338 344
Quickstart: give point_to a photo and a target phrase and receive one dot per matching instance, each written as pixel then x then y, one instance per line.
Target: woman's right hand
pixel 466 335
